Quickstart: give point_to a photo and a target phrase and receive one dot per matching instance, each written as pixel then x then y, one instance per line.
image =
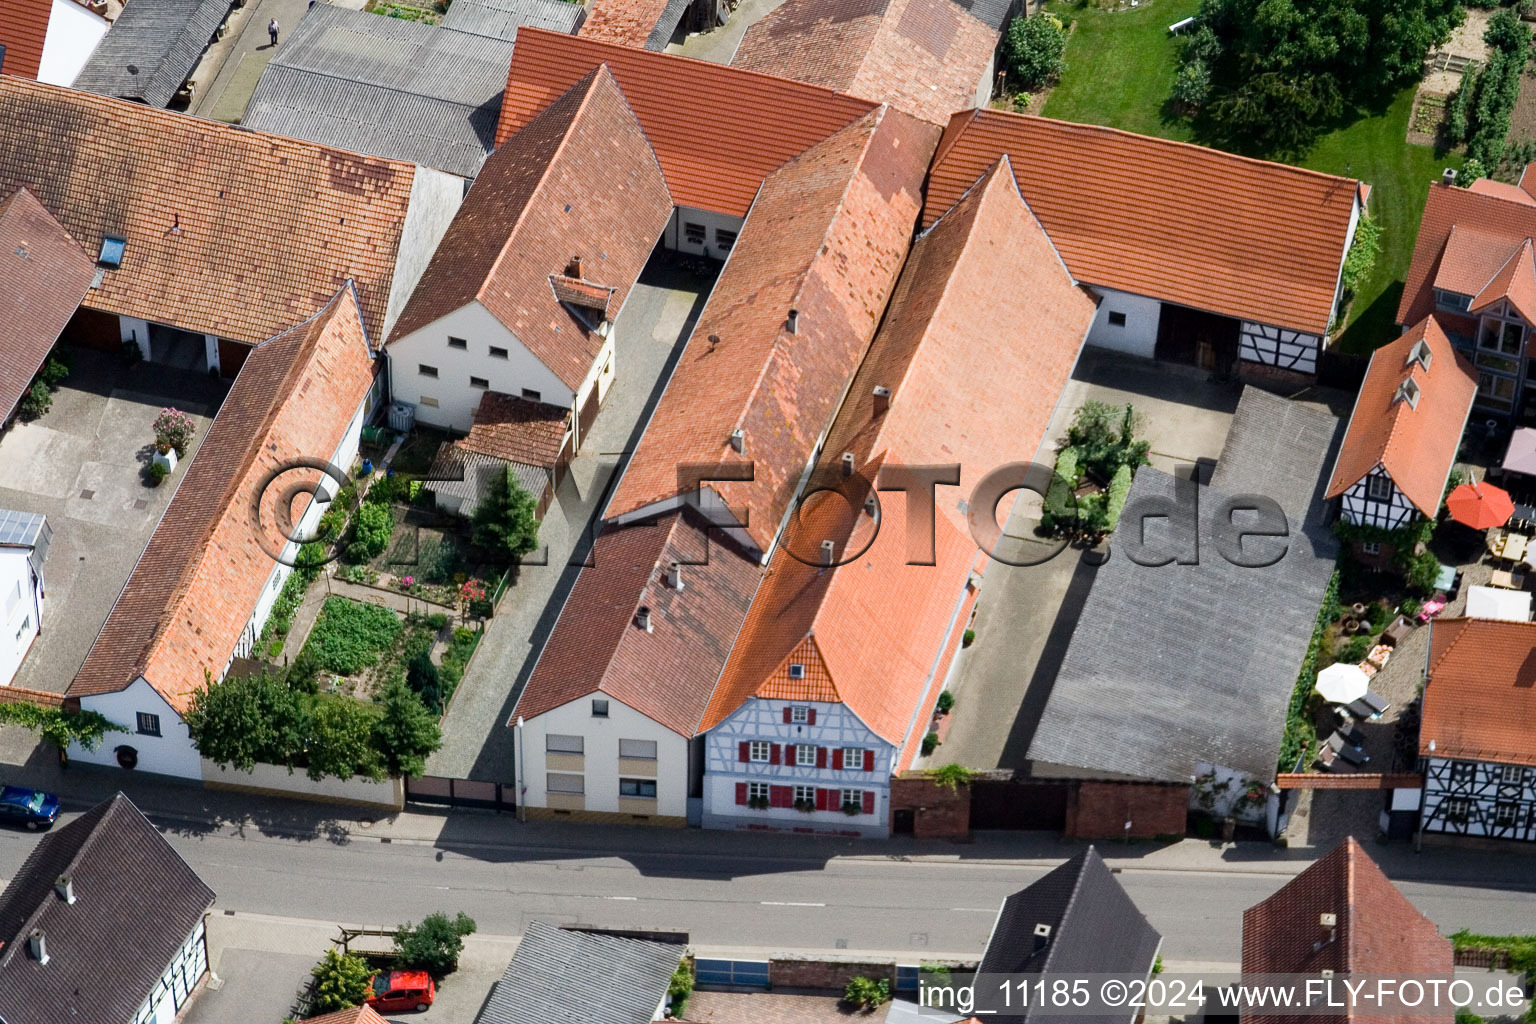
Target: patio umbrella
pixel 1480 506
pixel 1340 683
pixel 1520 457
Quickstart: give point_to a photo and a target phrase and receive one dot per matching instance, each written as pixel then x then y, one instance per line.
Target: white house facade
pixel 24 541
pixel 73 34
pixel 1126 323
pixel 178 982
pixel 702 232
pixel 1375 501
pixel 157 739
pixel 797 767
pixel 1479 798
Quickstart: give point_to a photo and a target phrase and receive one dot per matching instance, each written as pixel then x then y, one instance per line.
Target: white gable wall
pixel 1138 336
pixel 599 764
pixel 1358 507
pixel 73 33
pixel 170 753
pixel 21 605
pixel 435 198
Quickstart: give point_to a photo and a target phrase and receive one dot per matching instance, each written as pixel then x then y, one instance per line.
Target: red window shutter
pixel 811 717
pixel 789 753
pixel 869 760
pixel 781 796
pixel 775 754
pixel 788 716
pixel 741 794
pixel 869 802
pixel 823 799
pixel 837 759
pixel 821 757
pixel 746 751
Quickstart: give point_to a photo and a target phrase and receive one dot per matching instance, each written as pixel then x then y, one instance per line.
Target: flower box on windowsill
pixel 757 803
pixel 852 809
pixel 167 459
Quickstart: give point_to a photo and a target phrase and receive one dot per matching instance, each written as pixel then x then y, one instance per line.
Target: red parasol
pixel 1480 506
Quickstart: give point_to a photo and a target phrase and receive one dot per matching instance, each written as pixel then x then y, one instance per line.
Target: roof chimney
pixel 643 618
pixel 871 504
pixel 882 398
pixel 1042 936
pixel 575 268
pixel 37 945
pixel 675 575
pixel 847 463
pixel 65 887
pixel 828 552
pixel 793 322
pixel 1448 176
pixel 739 440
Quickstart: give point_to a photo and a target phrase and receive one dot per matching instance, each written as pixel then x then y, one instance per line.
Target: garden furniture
pixel 1397 632
pixel 1512 548
pixel 1376 702
pixel 1347 752
pixel 1326 758
pixel 1507 580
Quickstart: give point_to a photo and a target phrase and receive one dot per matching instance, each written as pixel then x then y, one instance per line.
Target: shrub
pixel 967 638
pixel 1356 648
pixel 1457 119
pixel 350 635
pixel 406 733
pixel 56 369
pixel 1470 172
pixel 1192 84
pixel 1058 496
pixel 952 775
pixel 35 401
pixel 1032 50
pixel 930 743
pixel 947 699
pixel 1361 256
pixel 680 988
pixel 1119 490
pixel 158 471
pixel 341 982
pixel 422 678
pixel 174 429
pixel 340 740
pixel 867 993
pixel 506 523
pixel 1105 438
pixel 437 620
pixel 375 525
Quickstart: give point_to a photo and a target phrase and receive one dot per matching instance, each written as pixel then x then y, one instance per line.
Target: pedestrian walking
pixel 272 28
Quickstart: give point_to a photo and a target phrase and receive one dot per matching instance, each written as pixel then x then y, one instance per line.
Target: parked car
pixel 30 807
pixel 401 990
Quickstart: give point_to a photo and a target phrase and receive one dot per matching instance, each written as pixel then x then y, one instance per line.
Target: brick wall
pixel 938 812
pixel 1262 374
pixel 1099 810
pixel 832 975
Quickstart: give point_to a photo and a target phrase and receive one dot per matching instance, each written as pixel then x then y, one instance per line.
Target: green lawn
pixel 1120 68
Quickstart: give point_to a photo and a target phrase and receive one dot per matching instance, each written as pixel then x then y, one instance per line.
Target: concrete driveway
pixel 82 465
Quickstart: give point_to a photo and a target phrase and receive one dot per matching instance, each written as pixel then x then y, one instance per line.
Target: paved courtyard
pixel 82 465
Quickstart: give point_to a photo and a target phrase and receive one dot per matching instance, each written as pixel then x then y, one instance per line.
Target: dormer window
pixel 1408 391
pixel 112 249
pixel 1453 301
pixel 1420 354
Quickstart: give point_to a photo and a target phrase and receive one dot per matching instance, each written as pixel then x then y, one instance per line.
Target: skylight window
pixel 112 251
pixel 1420 354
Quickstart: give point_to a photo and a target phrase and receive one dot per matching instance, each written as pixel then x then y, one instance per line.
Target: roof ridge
pixel 92 833
pixel 1088 856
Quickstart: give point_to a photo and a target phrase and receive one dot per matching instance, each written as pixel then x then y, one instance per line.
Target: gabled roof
pixel 517 430
pixel 1493 187
pixel 1245 238
pixel 45 274
pixel 1094 926
pixel 501 19
pixel 1465 238
pixel 1415 443
pixel 1481 695
pixel 646 24
pixel 667 672
pixel 23 30
pixel 715 162
pixel 560 974
pixel 118 864
pixel 355 1015
pixel 983 296
pixel 578 180
pixel 151 49
pixel 386 87
pixel 1376 931
pixel 826 237
pixel 1515 283
pixel 229 232
pixel 1208 653
pixel 197 583
pixel 924 57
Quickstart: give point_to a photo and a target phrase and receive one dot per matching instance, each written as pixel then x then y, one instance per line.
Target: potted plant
pixel 173 431
pixel 852 809
pixel 807 806
pixel 757 803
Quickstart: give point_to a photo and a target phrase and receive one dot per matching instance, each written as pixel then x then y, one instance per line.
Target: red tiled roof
pixel 23 29
pixel 356 1015
pixel 45 275
pixel 585 294
pixel 924 57
pixel 517 430
pixel 712 160
pixel 579 179
pixel 1481 695
pixel 193 590
pixel 665 673
pixel 623 22
pixel 1465 238
pixel 1515 282
pixel 826 237
pixel 1244 238
pixel 1415 444
pixel 1377 931
pixel 1515 193
pixel 230 232
pixel 983 296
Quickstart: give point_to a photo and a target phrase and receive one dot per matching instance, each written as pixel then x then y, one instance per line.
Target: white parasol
pixel 1341 684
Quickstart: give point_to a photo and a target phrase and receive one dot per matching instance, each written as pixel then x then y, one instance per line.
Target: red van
pixel 401 990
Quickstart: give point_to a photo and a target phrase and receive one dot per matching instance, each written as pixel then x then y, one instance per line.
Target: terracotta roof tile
pixel 623 22
pixel 1515 282
pixel 23 29
pixel 356 1015
pixel 826 237
pixel 873 632
pixel 1481 695
pixel 1465 238
pixel 196 584
pixel 230 232
pixel 1491 187
pixel 517 430
pixel 1168 220
pixel 45 275
pixel 715 162
pixel 1473 257
pixel 578 180
pixel 1416 444
pixel 924 57
pixel 584 294
pixel 1377 931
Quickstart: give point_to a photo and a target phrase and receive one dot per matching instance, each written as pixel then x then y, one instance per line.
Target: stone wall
pixel 938 812
pixel 830 975
pixel 1099 810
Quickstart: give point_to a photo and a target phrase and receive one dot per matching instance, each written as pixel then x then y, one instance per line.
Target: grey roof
pixel 385 87
pixel 467 476
pixel 666 24
pixel 1094 926
pixel 501 19
pixel 560 975
pixel 1173 665
pixel 993 12
pixel 119 865
pixel 151 49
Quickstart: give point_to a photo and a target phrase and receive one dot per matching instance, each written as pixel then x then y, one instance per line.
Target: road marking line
pixel 777 903
pixel 973 910
pixel 622 897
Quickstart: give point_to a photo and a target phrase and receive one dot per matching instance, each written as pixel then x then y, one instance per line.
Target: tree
pixel 506 524
pixel 246 720
pixel 1470 172
pixel 1192 85
pixel 406 733
pixel 35 401
pixel 341 982
pixel 60 727
pixel 434 945
pixel 1032 50
pixel 341 739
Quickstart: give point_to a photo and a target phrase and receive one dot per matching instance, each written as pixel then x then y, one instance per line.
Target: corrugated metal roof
pixel 151 49
pixel 385 87
pixel 468 475
pixel 666 24
pixel 500 19
pixel 559 975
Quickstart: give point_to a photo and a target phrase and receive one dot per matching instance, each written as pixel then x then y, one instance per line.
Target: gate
pixel 1009 804
pixel 434 789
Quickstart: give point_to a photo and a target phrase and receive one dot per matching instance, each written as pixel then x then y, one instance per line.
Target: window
pixel 1501 336
pixel 1495 391
pixel 853 759
pixel 1455 810
pixel 693 234
pixel 725 239
pixel 1513 775
pixel 112 249
pixel 555 744
pixel 14 598
pixel 599 709
pixel 758 791
pixel 564 782
pixel 805 796
pixel 425 370
pixel 26 624
pixel 532 395
pixel 1504 814
pixel 1452 301
pixel 458 343
pixel 1117 319
pixel 805 756
pixel 1370 547
pixel 854 798
pixel 479 382
pixel 641 750
pixel 1463 771
pixel 758 752
pixel 430 403
pixel 498 352
pixel 149 725
pixel 797 671
pixel 1378 487
pixel 644 789
pixel 799 715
